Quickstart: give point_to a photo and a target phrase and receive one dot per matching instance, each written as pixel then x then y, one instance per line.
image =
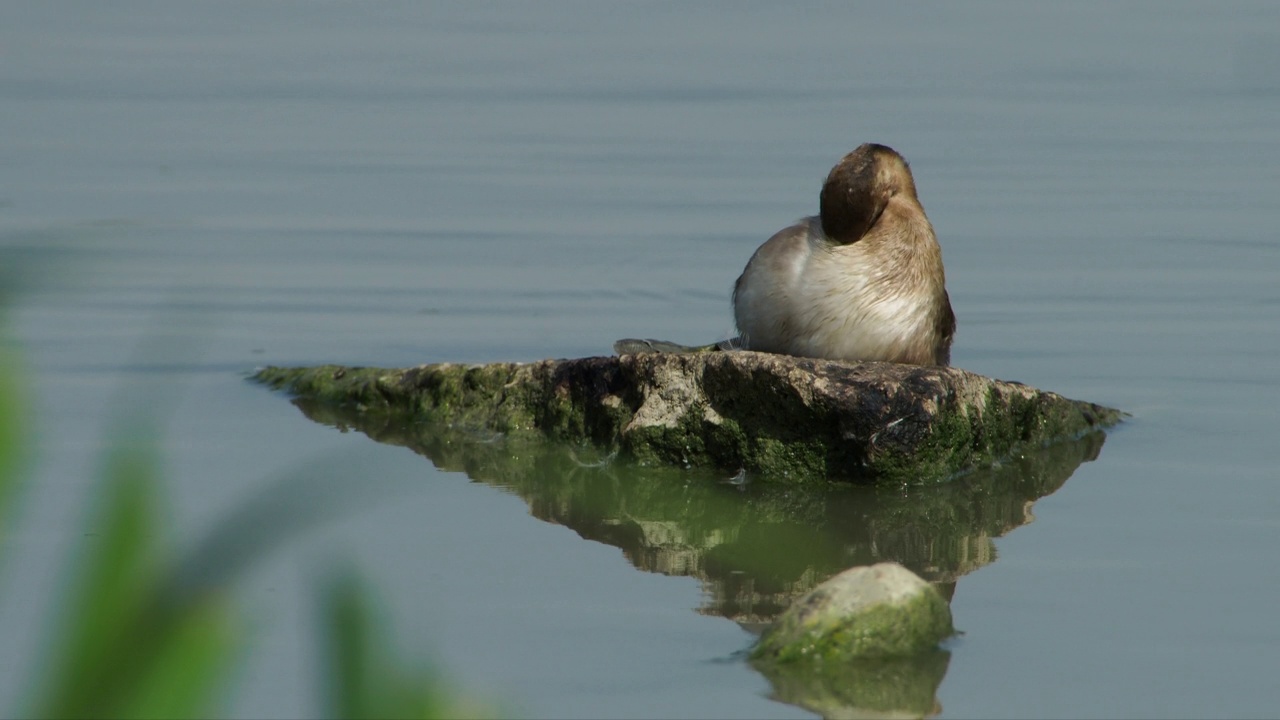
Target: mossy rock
pixel 778 417
pixel 874 611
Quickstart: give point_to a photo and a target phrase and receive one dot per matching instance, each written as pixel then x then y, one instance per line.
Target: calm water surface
pixel 249 184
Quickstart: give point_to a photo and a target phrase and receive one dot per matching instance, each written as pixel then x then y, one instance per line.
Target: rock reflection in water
pixel 758 545
pixel 904 687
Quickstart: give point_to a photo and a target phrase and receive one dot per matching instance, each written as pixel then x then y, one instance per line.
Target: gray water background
pixel 241 184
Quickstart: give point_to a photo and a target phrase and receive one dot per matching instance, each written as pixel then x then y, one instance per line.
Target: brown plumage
pixel 863 280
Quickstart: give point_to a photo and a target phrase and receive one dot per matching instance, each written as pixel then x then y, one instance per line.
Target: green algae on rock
pixel 785 418
pixel 874 611
pixel 862 644
pixel 755 546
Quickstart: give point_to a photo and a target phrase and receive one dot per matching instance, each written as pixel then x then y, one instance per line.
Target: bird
pixel 860 281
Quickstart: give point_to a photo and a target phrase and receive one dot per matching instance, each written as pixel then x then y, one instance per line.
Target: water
pixel 227 186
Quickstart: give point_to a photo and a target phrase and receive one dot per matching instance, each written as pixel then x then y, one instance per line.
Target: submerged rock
pixel 783 417
pixel 755 546
pixel 862 644
pixel 875 611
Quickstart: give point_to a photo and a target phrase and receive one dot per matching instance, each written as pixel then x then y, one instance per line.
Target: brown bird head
pixel 858 189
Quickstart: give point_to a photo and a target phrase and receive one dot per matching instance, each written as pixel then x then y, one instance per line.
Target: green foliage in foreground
pixel 366 681
pixel 12 437
pixel 134 645
pixel 143 634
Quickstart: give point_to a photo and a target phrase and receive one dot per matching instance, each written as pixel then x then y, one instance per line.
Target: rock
pixel 784 418
pixel 755 546
pixel 875 611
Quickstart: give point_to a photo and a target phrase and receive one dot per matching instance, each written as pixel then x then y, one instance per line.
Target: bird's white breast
pixel 809 297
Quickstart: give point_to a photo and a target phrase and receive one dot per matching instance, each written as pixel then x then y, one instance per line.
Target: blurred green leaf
pixel 145 634
pixel 364 677
pixel 132 648
pixel 116 574
pixel 190 664
pixel 13 430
